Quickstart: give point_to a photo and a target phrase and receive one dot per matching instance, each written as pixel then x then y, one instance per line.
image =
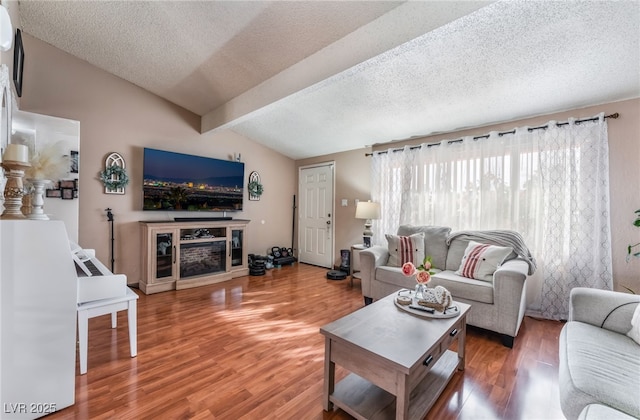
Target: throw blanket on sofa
pixel 502 237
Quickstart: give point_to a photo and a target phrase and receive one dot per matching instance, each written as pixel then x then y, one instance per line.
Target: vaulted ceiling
pixel 308 78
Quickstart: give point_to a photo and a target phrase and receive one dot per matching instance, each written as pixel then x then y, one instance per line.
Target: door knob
pixel 328 222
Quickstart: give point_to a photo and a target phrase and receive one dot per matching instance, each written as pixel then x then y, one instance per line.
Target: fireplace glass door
pixel 202 258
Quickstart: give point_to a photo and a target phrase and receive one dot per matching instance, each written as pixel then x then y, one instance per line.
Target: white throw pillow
pixel 634 332
pixel 404 249
pixel 480 261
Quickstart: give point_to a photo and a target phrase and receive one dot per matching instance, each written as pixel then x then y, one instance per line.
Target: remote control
pixel 422 308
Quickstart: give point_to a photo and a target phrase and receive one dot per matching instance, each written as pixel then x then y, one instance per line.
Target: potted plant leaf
pixel 634 250
pixel 631 249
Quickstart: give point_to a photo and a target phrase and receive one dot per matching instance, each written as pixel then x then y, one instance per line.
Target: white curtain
pixel 551 185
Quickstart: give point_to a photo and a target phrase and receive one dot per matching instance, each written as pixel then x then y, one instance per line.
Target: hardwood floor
pixel 251 349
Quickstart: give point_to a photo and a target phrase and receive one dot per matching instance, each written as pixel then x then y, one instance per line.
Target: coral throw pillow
pixel 403 249
pixel 480 261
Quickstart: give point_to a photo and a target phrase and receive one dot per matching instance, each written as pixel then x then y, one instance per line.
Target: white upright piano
pixel 38 305
pixel 44 279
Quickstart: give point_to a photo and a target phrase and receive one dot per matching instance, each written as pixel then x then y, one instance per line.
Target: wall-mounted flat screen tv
pixel 179 182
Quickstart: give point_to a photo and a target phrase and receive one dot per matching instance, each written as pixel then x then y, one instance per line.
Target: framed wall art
pixel 68 183
pixel 255 186
pixel 54 194
pixel 74 162
pixel 67 193
pixel 18 62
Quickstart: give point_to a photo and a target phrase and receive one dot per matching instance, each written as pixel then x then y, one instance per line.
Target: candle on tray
pixel 17 153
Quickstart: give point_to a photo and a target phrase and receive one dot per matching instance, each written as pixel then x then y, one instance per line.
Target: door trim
pixel 331 163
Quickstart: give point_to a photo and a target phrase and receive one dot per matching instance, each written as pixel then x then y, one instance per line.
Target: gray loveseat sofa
pixel 599 373
pixel 496 305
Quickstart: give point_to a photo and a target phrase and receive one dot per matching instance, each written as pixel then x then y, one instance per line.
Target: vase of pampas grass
pixel 47 163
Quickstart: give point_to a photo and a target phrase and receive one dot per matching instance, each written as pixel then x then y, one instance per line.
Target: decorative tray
pixel 414 308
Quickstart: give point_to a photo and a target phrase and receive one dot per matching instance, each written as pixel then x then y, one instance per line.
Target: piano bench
pixel 102 307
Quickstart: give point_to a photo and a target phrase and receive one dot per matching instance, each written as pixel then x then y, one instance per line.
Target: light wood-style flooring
pixel 250 348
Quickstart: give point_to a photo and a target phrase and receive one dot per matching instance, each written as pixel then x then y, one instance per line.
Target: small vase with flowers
pixel 422 274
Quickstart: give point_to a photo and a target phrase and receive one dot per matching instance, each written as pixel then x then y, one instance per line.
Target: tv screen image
pixel 181 182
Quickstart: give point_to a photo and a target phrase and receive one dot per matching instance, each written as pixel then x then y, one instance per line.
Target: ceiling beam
pixel 402 24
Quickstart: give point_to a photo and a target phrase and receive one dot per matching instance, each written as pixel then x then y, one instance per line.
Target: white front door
pixel 315 217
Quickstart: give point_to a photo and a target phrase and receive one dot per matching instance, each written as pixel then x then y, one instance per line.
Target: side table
pixel 355 261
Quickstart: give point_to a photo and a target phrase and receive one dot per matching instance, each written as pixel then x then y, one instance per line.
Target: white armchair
pixel 599 364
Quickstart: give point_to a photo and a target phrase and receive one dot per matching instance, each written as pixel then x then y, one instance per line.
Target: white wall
pixel 36 131
pixel 117 116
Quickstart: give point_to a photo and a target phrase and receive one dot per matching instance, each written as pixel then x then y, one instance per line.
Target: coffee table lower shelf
pixel 364 400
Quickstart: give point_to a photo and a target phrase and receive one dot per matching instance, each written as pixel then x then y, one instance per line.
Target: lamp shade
pixel 367 210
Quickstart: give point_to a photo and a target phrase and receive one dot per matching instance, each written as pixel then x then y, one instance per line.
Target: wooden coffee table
pixel 400 362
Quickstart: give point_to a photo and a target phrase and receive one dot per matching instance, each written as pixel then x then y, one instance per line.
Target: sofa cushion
pixel 435 242
pixel 403 249
pixel 462 287
pixel 480 261
pixel 597 366
pixel 393 275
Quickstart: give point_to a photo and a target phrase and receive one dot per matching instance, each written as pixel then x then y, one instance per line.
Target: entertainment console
pixel 183 254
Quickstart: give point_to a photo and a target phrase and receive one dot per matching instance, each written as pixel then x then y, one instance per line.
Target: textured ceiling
pixel 197 54
pixel 311 78
pixel 507 61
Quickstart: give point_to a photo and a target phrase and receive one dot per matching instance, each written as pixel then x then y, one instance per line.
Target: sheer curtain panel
pixel 551 185
pixel 574 168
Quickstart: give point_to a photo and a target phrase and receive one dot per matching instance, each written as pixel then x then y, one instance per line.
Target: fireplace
pixel 202 258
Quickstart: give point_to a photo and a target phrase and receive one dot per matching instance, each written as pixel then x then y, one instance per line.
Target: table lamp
pixel 368 211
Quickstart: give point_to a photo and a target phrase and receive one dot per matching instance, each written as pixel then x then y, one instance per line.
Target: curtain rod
pixel 502 133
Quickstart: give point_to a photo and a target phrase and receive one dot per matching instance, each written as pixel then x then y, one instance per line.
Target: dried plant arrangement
pixel 49 162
